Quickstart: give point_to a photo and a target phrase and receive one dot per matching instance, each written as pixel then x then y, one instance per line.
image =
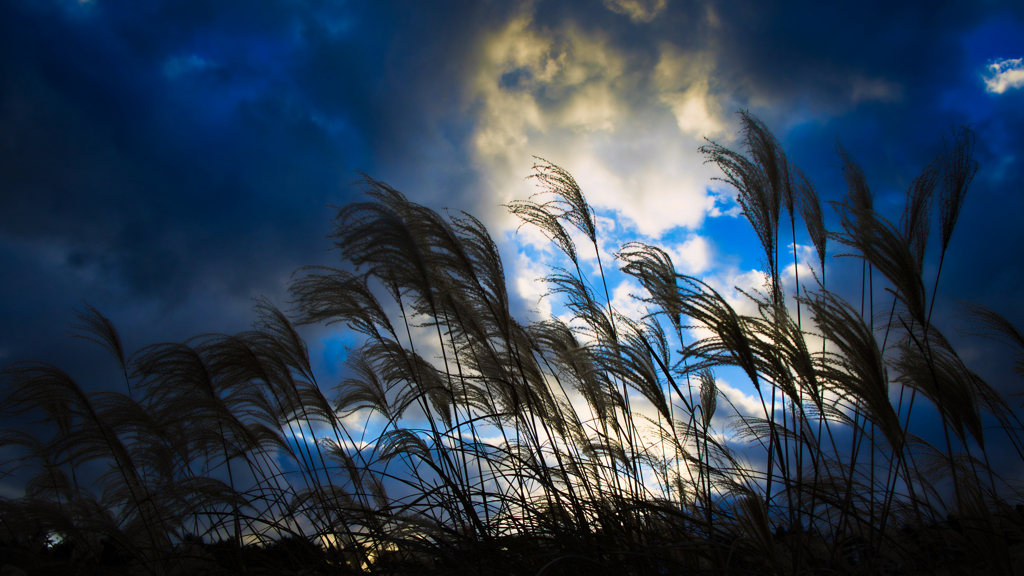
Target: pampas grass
pixel 463 440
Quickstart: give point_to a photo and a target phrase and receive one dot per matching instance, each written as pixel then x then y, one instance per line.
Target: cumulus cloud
pixel 683 84
pixel 577 98
pixel 529 286
pixel 1003 75
pixel 730 281
pixel 626 300
pixel 625 124
pixel 806 267
pixel 745 404
pixel 693 256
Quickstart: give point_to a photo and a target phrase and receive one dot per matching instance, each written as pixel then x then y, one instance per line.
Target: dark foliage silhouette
pixel 464 440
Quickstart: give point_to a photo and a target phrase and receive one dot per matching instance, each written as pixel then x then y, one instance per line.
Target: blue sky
pixel 170 161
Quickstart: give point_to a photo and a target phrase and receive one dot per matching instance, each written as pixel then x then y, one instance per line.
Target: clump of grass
pixel 499 446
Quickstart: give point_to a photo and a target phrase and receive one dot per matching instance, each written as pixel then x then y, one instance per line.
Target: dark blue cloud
pixel 159 156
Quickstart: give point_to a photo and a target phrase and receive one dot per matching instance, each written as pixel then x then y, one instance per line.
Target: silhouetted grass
pixel 500 446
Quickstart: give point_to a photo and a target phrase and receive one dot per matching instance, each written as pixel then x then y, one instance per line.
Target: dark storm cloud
pixel 801 67
pixel 890 82
pixel 168 161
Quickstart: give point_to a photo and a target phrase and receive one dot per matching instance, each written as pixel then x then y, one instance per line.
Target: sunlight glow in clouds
pixel 637 10
pixel 682 82
pixel 692 256
pixel 1004 75
pixel 626 128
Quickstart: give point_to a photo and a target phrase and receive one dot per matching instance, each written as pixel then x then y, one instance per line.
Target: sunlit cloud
pixel 529 287
pixel 683 84
pixel 745 404
pixel 723 203
pixel 625 125
pixel 693 256
pixel 637 10
pixel 806 255
pixel 1003 75
pixel 627 300
pixel 736 285
pixel 627 128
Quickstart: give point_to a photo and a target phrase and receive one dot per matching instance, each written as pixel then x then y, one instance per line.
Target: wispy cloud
pixel 637 10
pixel 1004 74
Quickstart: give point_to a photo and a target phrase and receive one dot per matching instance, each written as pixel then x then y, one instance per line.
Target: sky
pixel 169 161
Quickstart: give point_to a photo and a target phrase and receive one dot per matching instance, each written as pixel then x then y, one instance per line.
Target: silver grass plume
pixel 959 170
pixel 809 205
pixel 761 182
pixel 915 224
pixel 708 396
pixel 569 200
pixel 940 376
pixel 883 246
pixel 857 372
pixel 654 269
pixel 990 324
pixel 539 215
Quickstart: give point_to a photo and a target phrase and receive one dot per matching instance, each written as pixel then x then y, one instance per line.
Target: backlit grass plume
pixel 461 439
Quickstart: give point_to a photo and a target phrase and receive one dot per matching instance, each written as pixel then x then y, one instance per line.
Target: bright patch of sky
pixel 335 347
pixel 628 135
pixel 628 131
pixel 637 10
pixel 572 97
pixel 1003 75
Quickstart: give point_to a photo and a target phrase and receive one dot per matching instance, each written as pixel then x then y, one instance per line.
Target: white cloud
pixel 683 83
pixel 529 286
pixel 1004 75
pixel 693 256
pixel 729 281
pixel 656 190
pixel 746 404
pixel 624 303
pixel 806 257
pixel 722 197
pixel 574 98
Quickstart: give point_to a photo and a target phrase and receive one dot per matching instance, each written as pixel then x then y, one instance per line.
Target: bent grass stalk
pixel 515 448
